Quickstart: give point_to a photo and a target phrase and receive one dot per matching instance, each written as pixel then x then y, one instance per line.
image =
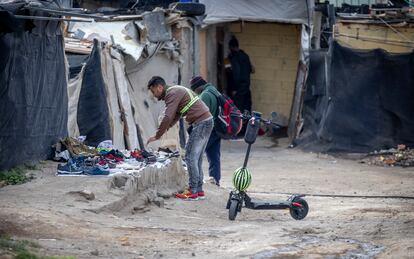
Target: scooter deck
pixel 268 205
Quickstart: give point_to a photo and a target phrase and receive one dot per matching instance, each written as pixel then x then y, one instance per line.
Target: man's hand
pixel 234 93
pixel 151 139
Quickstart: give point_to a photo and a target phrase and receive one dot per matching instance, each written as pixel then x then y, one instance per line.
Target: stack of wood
pixel 77 46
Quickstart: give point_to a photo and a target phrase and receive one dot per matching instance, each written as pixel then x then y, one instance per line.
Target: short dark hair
pixel 156 80
pixel 233 43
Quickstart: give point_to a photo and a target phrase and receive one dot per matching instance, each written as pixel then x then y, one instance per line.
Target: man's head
pixel 233 44
pixel 157 87
pixel 197 84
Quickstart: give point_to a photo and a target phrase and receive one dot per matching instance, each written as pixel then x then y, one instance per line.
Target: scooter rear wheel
pixel 299 212
pixel 234 204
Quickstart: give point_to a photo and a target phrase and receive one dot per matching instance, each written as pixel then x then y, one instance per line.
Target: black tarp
pixel 358 101
pixel 93 113
pixel 76 62
pixel 33 89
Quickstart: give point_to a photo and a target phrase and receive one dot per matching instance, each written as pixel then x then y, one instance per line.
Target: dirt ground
pixel 336 227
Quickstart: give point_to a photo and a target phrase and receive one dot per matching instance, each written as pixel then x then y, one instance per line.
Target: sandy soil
pixel 336 227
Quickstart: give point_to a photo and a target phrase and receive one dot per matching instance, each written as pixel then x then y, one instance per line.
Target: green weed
pixel 13 176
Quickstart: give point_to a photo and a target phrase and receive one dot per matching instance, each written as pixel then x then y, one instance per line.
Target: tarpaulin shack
pixel 111 82
pixel 274 33
pixel 358 95
pixel 33 96
pixel 100 92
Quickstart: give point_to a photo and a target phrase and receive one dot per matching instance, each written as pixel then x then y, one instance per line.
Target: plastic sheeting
pixel 103 31
pixel 147 109
pixel 113 103
pixel 130 129
pixel 117 125
pixel 292 11
pixel 74 87
pixel 93 114
pixel 33 95
pixel 358 101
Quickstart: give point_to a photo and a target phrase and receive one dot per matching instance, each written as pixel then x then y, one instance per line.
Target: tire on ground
pixel 190 9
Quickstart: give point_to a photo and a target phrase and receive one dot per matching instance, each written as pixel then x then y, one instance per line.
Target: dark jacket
pixel 241 69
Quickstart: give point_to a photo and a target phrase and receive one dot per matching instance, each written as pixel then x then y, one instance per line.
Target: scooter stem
pixel 246 158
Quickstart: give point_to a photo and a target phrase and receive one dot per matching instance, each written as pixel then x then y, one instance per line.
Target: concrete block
pixel 260 51
pixel 292 40
pixel 267 63
pixel 249 39
pixel 263 74
pixel 289 64
pixel 235 27
pixel 250 27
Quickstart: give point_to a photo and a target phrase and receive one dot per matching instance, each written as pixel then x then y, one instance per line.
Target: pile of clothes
pixel 84 160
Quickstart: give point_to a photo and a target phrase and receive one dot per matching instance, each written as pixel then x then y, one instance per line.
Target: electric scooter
pixel 297 206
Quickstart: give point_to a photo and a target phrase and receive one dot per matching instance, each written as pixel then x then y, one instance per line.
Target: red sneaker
pixel 187 195
pixel 201 195
pixel 136 154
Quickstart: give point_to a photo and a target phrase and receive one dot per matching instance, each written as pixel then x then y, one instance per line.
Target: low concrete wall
pixel 145 186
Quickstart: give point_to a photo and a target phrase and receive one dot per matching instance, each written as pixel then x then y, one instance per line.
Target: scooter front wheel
pixel 299 208
pixel 234 207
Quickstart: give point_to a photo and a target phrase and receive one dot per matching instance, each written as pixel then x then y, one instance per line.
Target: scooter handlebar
pixel 248 117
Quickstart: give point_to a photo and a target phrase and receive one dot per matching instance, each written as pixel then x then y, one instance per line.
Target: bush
pixel 13 176
pixel 24 249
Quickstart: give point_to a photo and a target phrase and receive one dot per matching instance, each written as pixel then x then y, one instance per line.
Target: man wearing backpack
pixel 208 94
pixel 182 102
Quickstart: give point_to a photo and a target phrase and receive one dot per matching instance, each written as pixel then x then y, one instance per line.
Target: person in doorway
pixel 208 94
pixel 182 102
pixel 241 68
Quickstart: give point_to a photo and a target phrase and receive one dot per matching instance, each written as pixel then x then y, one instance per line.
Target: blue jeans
pixel 194 150
pixel 213 156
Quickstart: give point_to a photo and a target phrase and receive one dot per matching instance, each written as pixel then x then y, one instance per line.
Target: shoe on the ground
pixel 149 156
pixel 97 170
pixel 165 149
pixel 136 154
pixel 212 180
pixel 201 195
pixel 187 196
pixel 71 167
pixel 115 159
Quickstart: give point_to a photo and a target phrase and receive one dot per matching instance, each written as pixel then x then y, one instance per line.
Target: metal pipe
pixel 246 158
pixel 65 13
pixel 42 18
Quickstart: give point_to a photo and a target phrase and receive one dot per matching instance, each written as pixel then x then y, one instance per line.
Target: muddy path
pixel 336 227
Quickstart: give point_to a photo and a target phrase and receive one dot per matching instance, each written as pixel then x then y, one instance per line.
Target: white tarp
pixel 74 88
pixel 103 32
pixel 147 109
pixel 286 11
pixel 130 130
pixel 117 125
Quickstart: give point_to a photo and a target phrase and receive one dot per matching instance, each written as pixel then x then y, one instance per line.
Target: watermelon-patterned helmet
pixel 242 179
